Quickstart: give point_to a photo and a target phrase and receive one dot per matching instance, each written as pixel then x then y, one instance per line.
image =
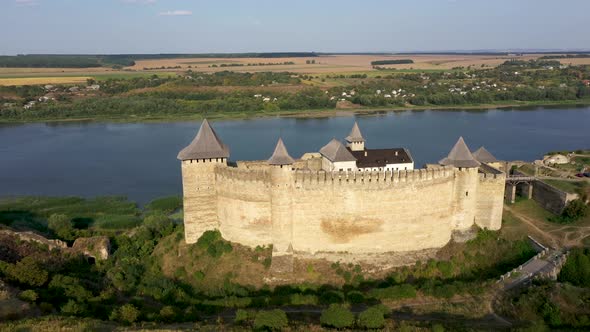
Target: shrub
pixel 29 295
pixel 165 204
pixel 355 297
pixel 330 297
pixel 241 316
pixel 62 226
pixel 576 269
pixel 438 328
pixel 128 313
pixel 372 318
pixel 394 292
pixel 159 224
pixel 72 308
pixel 575 210
pixel 167 313
pixel 337 316
pixel 27 271
pixel 303 299
pixel 271 320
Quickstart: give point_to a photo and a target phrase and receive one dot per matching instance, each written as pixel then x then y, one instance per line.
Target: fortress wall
pixel 372 211
pixel 243 208
pixel 490 195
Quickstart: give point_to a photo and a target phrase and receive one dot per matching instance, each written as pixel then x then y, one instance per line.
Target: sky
pixel 225 26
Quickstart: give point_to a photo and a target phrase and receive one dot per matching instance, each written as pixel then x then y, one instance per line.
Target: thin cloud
pixel 176 13
pixel 26 2
pixel 140 2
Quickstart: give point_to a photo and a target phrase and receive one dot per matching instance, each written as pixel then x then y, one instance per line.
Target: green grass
pixel 567 186
pixel 165 204
pixel 101 212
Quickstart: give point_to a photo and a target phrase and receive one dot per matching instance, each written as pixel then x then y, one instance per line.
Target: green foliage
pixel 271 320
pixel 27 271
pixel 371 318
pixel 242 316
pixel 397 292
pixel 575 210
pixel 391 62
pixel 329 297
pixel 167 314
pixel 73 308
pixel 337 316
pixel 355 297
pixel 438 328
pixel 576 269
pixel 28 295
pixel 127 313
pixel 62 226
pixel 214 244
pixel 69 287
pixel 165 204
pixel 303 299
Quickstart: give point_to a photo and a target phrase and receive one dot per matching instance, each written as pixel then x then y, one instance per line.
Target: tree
pixel 271 320
pixel 128 313
pixel 28 271
pixel 372 318
pixel 337 316
pixel 575 210
pixel 62 226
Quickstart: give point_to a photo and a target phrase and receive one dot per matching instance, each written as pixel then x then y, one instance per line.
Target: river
pixel 138 160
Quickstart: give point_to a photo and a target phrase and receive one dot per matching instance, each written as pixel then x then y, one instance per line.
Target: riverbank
pixel 311 113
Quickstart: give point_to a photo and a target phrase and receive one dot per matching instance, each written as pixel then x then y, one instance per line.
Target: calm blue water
pixel 139 159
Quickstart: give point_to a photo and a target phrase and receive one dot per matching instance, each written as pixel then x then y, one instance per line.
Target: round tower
pixel 199 160
pixel 464 198
pixel 281 208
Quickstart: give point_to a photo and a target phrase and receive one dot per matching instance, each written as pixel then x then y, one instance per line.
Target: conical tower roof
pixel 335 152
pixel 460 156
pixel 484 156
pixel 205 145
pixel 355 134
pixel 281 155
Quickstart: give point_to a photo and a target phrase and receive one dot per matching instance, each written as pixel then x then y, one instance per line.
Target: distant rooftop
pixel 381 157
pixel 484 156
pixel 336 152
pixel 460 156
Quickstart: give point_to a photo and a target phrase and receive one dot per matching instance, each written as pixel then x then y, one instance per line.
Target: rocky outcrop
pixel 98 247
pixel 33 237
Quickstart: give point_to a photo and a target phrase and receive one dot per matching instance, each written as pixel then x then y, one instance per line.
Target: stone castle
pixel 343 200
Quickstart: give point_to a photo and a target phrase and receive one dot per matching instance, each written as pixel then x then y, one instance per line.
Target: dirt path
pixel 563 239
pixel 546 236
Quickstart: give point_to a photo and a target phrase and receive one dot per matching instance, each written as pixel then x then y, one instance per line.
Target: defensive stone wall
pixel 490 200
pixel 243 204
pixel 378 212
pixel 551 198
pixel 307 212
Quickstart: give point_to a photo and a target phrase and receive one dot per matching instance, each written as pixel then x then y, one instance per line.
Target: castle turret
pixel 199 160
pixel 355 140
pixel 281 208
pixel 465 184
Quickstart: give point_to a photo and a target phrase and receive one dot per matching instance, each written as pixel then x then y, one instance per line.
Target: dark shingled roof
pixel 280 156
pixel 336 152
pixel 460 156
pixel 381 157
pixel 484 156
pixel 205 145
pixel 355 134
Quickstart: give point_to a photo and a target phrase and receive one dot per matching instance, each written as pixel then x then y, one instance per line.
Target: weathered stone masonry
pixel 299 210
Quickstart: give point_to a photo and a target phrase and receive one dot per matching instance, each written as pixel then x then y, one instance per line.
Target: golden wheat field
pixel 43 80
pixel 326 64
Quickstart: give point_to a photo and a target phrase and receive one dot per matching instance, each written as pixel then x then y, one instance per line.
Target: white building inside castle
pixel 355 157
